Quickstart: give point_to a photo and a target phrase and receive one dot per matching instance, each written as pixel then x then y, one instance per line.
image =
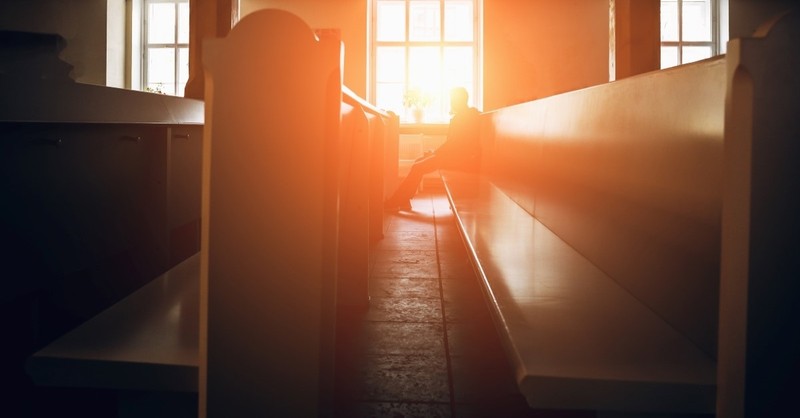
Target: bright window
pixel 688 31
pixel 422 48
pixel 165 64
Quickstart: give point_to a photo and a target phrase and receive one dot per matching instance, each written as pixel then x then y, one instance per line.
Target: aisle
pixel 426 347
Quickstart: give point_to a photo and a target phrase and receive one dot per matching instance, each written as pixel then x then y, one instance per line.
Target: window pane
pixel 695 53
pixel 424 21
pixel 391 21
pixel 697 20
pixel 457 68
pixel 424 70
pixel 669 20
pixel 425 74
pixel 183 23
pixel 183 69
pixel 390 64
pixel 161 23
pixel 389 96
pixel 161 69
pixel 669 56
pixel 458 20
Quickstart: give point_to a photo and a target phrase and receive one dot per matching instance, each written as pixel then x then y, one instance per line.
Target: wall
pixel 537 48
pixel 635 47
pixel 82 23
pixel 350 16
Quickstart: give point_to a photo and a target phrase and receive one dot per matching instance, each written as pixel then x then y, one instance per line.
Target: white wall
pixel 95 42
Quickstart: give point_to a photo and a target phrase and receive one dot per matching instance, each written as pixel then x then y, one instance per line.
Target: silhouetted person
pixel 461 150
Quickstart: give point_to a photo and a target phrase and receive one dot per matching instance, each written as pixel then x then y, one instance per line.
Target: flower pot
pixel 417 115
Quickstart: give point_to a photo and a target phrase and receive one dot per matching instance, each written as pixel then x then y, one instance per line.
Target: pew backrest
pixel 629 174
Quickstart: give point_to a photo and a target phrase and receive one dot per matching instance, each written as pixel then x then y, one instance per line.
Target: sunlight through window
pixel 687 31
pixel 166 52
pixel 420 49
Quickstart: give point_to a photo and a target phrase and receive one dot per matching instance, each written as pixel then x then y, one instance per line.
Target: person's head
pixel 458 99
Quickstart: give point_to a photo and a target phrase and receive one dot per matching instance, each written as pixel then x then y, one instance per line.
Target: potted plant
pixel 416 100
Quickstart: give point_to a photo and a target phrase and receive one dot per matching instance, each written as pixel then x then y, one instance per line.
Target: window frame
pixel 715 27
pixel 175 46
pixel 476 93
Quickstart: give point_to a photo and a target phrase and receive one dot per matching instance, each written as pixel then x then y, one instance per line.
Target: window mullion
pixel 175 54
pixel 441 54
pixel 680 32
pixel 407 46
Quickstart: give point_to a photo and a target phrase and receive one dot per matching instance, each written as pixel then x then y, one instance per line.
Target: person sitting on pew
pixel 461 151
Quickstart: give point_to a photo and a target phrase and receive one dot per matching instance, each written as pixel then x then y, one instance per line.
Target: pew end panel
pixel 760 267
pixel 269 218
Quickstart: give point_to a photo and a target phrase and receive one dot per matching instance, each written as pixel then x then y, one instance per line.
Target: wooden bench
pixel 575 337
pixel 144 348
pixel 147 341
pixel 594 226
pixel 279 254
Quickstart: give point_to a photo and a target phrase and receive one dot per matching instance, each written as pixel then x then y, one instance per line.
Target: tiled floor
pixel 426 346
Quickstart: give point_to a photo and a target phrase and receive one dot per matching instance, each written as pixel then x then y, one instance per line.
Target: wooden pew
pixel 595 227
pixel 759 314
pixel 286 196
pixel 143 347
pixel 598 226
pixel 366 133
pixel 282 256
pixel 146 346
pixel 100 194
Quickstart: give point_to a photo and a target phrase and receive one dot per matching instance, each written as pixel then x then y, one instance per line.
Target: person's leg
pixel 408 187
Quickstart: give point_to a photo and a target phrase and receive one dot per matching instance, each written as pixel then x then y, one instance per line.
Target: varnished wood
pixel 147 341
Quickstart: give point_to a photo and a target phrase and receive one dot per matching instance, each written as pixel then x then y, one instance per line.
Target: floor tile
pixel 404 338
pixel 415 377
pixel 406 256
pixel 405 270
pixel 400 409
pixel 456 267
pixel 404 288
pixel 410 240
pixel 426 346
pixel 405 310
pixel 474 339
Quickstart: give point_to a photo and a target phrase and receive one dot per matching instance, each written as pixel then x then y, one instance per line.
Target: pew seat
pixel 148 341
pixel 576 339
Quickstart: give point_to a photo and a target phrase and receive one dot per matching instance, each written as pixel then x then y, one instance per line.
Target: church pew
pixel 366 135
pixel 594 225
pixel 274 256
pixel 604 222
pixel 100 194
pixel 146 345
pixel 271 251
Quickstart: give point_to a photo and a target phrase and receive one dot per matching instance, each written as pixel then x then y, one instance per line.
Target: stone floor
pixel 426 346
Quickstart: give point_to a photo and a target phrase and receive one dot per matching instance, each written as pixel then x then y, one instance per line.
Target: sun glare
pixel 424 55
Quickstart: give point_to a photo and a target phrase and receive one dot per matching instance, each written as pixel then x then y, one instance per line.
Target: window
pixel 689 31
pixel 423 48
pixel 165 61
